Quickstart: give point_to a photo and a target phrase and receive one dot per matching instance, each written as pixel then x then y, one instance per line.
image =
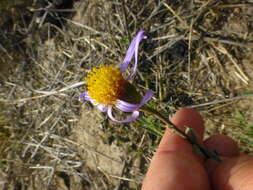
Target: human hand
pixel 175 166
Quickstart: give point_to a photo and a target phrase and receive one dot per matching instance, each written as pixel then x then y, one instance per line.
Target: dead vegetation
pixel 198 54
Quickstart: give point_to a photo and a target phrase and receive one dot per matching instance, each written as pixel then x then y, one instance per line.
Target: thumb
pixel 234 174
pixel 235 171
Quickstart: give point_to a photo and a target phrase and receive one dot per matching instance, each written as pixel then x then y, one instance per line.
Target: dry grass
pixel 198 54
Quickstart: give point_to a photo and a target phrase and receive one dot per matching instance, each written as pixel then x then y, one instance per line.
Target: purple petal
pixel 134 115
pixel 84 96
pixel 128 107
pixel 133 51
pixel 102 107
pixel 149 94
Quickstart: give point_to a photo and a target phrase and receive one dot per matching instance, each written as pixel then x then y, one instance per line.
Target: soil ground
pixel 198 54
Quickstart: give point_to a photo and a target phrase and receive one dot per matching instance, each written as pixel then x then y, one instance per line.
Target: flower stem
pixel 190 138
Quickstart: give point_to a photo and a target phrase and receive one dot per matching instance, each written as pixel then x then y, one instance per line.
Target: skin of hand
pixel 175 166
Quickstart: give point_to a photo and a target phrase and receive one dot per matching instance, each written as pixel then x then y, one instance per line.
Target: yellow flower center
pixel 105 84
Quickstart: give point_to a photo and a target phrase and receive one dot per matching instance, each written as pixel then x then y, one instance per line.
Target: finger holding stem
pixel 190 137
pixel 174 157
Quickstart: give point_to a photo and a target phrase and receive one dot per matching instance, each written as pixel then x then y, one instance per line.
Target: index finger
pixel 183 118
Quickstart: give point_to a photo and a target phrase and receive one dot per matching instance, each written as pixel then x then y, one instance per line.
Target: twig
pixel 222 101
pixel 175 14
pixel 44 93
pixel 189 51
pixel 244 45
pixel 126 20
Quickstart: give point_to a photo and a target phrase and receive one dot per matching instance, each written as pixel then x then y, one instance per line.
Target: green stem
pixel 166 121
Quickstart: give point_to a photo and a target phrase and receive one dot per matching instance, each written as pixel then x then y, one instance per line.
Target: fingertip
pixel 224 145
pixel 187 117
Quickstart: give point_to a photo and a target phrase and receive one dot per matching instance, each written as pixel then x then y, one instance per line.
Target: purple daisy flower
pixel 107 88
